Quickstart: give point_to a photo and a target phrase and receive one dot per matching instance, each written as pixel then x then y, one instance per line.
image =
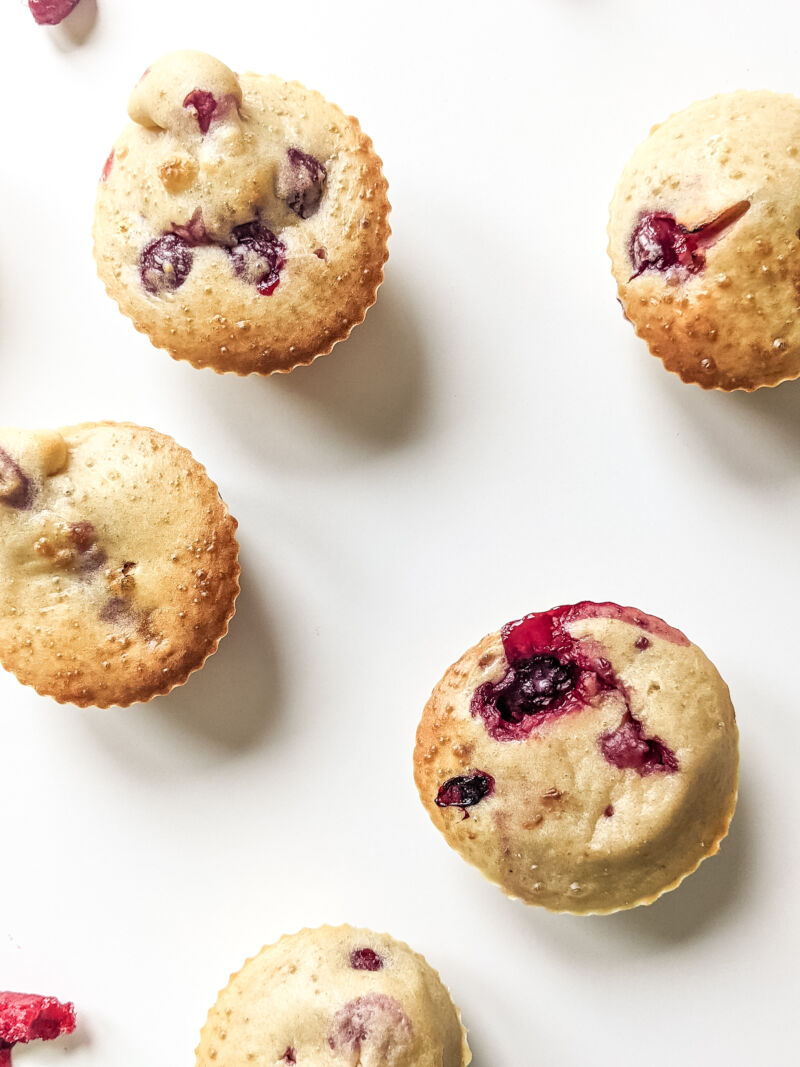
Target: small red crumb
pixel 642 643
pixel 109 163
pixel 26 1017
pixel 320 253
pixel 609 811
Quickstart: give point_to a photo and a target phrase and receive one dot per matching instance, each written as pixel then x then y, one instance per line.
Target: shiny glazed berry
pixel 465 790
pixel 165 264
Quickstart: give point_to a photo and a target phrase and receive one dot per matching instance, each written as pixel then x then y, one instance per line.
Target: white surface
pixel 493 440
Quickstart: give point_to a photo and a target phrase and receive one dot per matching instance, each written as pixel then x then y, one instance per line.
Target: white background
pixel 492 441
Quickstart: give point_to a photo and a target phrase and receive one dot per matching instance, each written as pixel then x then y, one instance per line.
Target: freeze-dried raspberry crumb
pixel 51 12
pixel 26 1017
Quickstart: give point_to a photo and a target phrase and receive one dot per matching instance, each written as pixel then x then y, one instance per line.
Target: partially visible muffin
pixel 583 758
pixel 241 220
pixel 334 996
pixel 118 562
pixel 704 239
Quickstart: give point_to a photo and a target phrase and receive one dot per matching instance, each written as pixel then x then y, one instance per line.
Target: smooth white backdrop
pixel 493 440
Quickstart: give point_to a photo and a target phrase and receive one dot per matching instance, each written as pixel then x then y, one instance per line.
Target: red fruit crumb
pixel 51 12
pixel 109 163
pixel 26 1017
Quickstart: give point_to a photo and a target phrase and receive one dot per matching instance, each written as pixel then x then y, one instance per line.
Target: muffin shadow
pixel 367 394
pixel 77 27
pixel 222 711
pixel 372 383
pixel 245 665
pixel 756 434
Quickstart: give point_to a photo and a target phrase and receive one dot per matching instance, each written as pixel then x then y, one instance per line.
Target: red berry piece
pixel 365 959
pixel 25 1017
pixel 628 748
pixel 205 106
pixel 660 243
pixel 51 12
pixel 16 488
pixel 372 1022
pixel 107 167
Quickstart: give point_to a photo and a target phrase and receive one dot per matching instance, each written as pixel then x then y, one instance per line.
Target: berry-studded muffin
pixel 28 1017
pixel 241 220
pixel 334 997
pixel 118 562
pixel 583 758
pixel 705 240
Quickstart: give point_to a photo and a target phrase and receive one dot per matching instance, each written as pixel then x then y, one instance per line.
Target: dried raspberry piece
pixel 51 12
pixel 27 1017
pixel 365 959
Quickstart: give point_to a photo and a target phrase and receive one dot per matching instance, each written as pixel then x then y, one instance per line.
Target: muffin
pixel 334 996
pixel 28 1017
pixel 241 221
pixel 584 758
pixel 118 562
pixel 704 239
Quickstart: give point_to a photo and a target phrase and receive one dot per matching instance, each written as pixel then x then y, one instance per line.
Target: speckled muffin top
pixel 704 240
pixel 583 758
pixel 334 997
pixel 118 562
pixel 241 221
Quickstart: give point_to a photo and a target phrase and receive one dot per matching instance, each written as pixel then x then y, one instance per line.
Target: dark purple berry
pixel 532 686
pixel 642 643
pixel 16 488
pixel 51 12
pixel 165 263
pixel 465 790
pixel 628 748
pixel 365 959
pixel 301 182
pixel 258 256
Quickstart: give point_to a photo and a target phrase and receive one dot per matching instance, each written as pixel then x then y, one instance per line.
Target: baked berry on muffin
pixel 241 220
pixel 28 1017
pixel 704 238
pixel 583 758
pixel 118 562
pixel 334 996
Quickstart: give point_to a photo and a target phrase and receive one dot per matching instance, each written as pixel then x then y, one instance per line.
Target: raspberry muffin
pixel 705 240
pixel 241 221
pixel 334 996
pixel 118 562
pixel 27 1017
pixel 583 758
